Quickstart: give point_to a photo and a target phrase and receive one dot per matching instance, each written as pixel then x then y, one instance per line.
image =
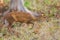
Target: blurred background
pixel 46 28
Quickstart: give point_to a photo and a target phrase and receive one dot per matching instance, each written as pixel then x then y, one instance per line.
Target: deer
pixel 17 6
pixel 17 13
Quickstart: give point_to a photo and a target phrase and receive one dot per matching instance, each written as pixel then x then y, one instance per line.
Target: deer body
pixel 16 16
pixel 20 14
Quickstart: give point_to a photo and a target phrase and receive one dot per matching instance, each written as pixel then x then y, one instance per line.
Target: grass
pixel 48 29
pixel 30 32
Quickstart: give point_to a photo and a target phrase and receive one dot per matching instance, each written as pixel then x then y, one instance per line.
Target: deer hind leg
pixel 7 24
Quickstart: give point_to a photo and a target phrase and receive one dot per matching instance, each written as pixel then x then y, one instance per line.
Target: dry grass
pixel 39 31
pixel 48 28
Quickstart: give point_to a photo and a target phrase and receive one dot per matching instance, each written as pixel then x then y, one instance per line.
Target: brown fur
pixel 22 17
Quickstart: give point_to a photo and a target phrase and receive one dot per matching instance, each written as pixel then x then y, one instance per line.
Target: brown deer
pixel 18 14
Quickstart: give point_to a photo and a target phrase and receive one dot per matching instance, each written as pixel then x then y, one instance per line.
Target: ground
pixel 47 28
